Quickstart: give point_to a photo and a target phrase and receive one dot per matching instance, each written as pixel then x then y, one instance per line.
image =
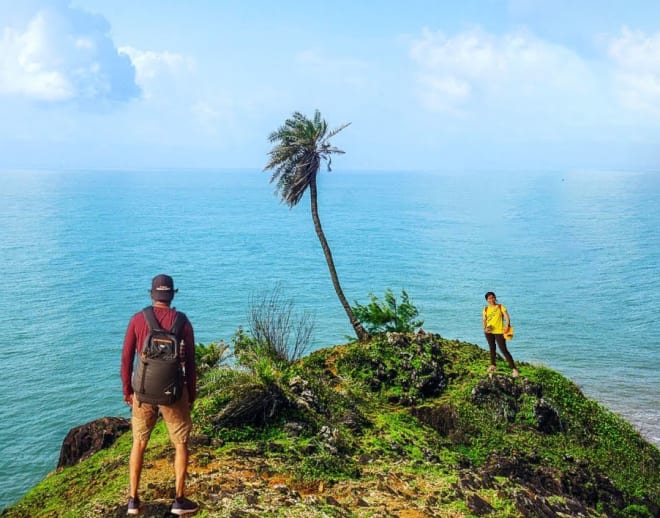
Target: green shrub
pixel 273 323
pixel 210 356
pixel 388 315
pixel 275 336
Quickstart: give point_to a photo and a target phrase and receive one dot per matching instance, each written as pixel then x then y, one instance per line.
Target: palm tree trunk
pixel 360 331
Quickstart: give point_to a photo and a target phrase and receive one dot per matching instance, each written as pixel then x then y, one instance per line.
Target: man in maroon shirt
pixel 144 415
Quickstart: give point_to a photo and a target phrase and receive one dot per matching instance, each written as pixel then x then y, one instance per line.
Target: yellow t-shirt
pixel 494 318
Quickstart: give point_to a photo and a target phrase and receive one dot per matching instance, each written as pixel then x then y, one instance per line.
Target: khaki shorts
pixel 176 417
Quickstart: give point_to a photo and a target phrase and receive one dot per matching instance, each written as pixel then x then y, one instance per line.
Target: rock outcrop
pixel 85 440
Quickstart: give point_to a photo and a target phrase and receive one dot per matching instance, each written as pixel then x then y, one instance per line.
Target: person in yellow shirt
pixel 496 322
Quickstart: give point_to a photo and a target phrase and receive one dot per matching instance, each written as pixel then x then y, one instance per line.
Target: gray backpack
pixel 158 377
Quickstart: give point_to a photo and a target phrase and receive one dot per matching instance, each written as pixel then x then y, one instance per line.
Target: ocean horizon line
pixel 336 170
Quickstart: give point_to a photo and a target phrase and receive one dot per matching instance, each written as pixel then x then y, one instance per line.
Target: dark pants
pixel 501 342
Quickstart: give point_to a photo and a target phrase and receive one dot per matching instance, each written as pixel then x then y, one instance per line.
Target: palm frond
pixel 299 146
pixel 338 129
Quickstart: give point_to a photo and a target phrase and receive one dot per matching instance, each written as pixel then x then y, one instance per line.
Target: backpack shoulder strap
pixel 151 319
pixel 177 328
pixel 179 321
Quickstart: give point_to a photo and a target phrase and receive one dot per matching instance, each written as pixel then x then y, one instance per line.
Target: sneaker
pixel 492 368
pixel 133 507
pixel 515 373
pixel 183 506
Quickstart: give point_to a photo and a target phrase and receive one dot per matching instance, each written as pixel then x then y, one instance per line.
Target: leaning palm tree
pixel 300 145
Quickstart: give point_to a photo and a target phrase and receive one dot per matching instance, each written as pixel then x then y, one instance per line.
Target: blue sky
pixel 427 85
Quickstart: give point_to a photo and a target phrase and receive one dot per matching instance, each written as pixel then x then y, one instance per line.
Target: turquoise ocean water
pixel 574 256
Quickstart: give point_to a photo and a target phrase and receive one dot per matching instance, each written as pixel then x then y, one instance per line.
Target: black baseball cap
pixel 162 288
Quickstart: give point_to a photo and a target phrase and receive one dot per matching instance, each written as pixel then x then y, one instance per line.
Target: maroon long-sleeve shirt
pixel 137 331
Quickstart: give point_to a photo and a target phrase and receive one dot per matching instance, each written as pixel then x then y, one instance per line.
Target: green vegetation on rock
pixel 403 423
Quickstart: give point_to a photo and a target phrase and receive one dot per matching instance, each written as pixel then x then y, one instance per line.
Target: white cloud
pixel 166 76
pixel 155 70
pixel 636 57
pixel 443 93
pixel 64 54
pixel 475 66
